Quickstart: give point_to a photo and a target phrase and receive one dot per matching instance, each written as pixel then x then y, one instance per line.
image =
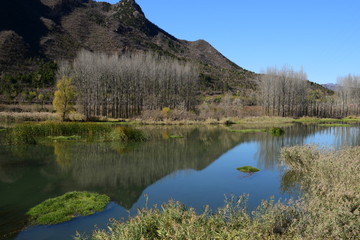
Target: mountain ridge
pixel 58 29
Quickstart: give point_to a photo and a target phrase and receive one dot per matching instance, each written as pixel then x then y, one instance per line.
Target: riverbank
pixel 328 209
pixel 32 133
pixel 26 114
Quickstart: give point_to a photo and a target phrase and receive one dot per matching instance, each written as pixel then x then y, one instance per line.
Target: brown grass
pixel 328 209
pixel 26 116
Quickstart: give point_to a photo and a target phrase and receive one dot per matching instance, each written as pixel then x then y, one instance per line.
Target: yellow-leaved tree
pixel 64 97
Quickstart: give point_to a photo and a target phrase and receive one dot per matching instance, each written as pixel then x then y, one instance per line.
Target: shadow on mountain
pixel 25 21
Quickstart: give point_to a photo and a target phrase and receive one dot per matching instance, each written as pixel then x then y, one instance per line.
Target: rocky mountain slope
pixel 47 30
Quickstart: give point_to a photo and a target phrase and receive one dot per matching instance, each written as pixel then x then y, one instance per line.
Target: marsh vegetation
pixel 67 207
pixel 196 170
pixel 32 133
pixel 327 209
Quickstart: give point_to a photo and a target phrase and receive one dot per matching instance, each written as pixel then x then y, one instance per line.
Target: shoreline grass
pixel 327 120
pixel 31 133
pixel 17 117
pixel 329 207
pixel 335 125
pixel 64 138
pixel 266 121
pixel 66 207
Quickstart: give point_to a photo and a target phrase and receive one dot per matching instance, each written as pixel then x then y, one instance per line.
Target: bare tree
pixel 348 93
pixel 283 91
pixel 124 86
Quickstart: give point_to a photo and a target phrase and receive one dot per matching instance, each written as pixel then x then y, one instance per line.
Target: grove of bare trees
pixel 123 86
pixel 285 92
pixel 348 90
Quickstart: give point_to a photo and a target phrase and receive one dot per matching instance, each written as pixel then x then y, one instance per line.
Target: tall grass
pixel 328 208
pixel 331 191
pixel 28 133
pixel 11 117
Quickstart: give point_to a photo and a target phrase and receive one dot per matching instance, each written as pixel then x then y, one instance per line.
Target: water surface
pixel 198 170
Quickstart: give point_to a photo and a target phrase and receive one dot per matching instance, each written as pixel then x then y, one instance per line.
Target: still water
pixel 198 170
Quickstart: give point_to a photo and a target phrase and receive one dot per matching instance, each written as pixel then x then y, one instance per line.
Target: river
pixel 197 170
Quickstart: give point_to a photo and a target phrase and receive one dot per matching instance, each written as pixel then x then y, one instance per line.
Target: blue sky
pixel 322 36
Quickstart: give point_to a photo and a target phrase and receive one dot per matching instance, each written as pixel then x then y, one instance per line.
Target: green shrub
pixel 276 131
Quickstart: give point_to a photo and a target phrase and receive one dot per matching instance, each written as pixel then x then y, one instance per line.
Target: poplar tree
pixel 64 97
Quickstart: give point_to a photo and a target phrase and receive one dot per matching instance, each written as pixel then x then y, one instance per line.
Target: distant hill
pixel 331 86
pixel 46 30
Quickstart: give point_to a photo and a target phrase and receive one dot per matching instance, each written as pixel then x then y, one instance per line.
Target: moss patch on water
pixel 248 130
pixel 248 169
pixel 67 207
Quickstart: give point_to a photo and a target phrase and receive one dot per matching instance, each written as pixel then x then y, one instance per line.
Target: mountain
pixel 331 86
pixel 48 30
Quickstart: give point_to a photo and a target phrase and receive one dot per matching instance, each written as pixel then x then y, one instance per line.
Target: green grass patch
pixel 248 130
pixel 276 131
pixel 317 120
pixel 65 138
pixel 264 120
pixel 327 120
pixel 27 133
pixel 176 136
pixel 67 207
pixel 248 169
pixel 351 119
pixel 334 125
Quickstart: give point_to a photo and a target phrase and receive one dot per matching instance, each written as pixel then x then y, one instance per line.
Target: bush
pixel 276 131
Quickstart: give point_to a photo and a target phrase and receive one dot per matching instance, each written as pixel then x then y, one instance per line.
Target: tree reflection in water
pixel 123 171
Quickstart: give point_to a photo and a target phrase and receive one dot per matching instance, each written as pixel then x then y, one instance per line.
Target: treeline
pixel 123 86
pixel 282 92
pixel 348 91
pixel 288 93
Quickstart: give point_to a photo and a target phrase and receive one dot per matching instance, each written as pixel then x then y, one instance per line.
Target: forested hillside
pixel 36 35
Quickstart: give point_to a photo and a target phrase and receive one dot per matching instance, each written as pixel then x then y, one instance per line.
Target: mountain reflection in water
pixel 31 174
